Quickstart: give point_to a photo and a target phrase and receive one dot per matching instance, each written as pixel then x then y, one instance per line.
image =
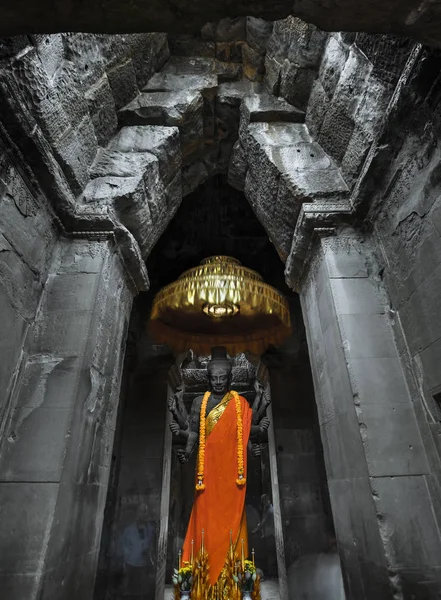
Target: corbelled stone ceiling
pixel 416 18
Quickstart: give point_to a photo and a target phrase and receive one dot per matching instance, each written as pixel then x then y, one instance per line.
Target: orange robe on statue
pixel 220 507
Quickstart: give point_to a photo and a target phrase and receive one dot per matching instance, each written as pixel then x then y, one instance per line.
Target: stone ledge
pixel 314 219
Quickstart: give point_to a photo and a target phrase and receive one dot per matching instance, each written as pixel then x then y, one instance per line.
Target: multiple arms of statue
pixel 192 432
pixel 187 426
pixel 179 425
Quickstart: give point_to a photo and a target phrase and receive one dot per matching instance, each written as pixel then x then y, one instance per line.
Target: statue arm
pixel 179 425
pixel 192 431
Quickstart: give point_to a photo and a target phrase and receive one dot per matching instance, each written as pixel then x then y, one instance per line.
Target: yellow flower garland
pixel 241 480
pixel 201 455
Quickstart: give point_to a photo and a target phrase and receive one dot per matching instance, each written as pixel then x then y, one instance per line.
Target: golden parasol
pixel 220 303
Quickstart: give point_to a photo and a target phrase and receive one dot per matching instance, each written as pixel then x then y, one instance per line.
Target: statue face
pixel 219 378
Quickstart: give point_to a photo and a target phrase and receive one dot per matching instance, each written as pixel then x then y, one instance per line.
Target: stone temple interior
pixel 302 139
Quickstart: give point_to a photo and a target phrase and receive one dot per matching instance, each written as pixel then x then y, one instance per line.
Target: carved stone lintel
pixel 314 219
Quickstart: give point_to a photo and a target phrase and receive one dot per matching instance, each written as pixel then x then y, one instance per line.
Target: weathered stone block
pixel 182 109
pixel 127 197
pixel 378 381
pixel 421 314
pixel 72 159
pixel 120 164
pixel 430 359
pixel 161 51
pixel 229 52
pixel 296 40
pixel 342 447
pixel 70 92
pixel 37 91
pixel 162 142
pixel 307 534
pixel 20 545
pixel 258 33
pixel 21 287
pixel 191 45
pixel 42 379
pixel 392 441
pixel 296 83
pixel 231 30
pixel 149 53
pixel 181 65
pixel 266 108
pixel 102 110
pixel 335 134
pixel 25 223
pixel 357 296
pixel 37 438
pixel 85 51
pixel 367 336
pixel 237 168
pixel 271 79
pixel 193 176
pixel 122 81
pixel 318 105
pixel 64 333
pixel 356 519
pixel 356 152
pixel 169 82
pixel 344 258
pixel 50 49
pixel 387 53
pixel 334 58
pixel 87 139
pixel 280 134
pixel 20 585
pixel 253 63
pixel 14 329
pixel 396 516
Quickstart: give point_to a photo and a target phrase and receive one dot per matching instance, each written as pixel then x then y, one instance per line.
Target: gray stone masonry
pixel 56 451
pixel 383 484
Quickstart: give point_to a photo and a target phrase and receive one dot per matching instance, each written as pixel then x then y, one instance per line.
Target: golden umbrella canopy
pixel 220 303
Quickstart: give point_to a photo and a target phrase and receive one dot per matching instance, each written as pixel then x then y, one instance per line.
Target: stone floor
pixel 270 591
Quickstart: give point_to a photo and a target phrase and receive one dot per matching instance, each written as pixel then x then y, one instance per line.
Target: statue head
pixel 219 370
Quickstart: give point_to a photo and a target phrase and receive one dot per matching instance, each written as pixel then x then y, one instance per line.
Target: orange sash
pixel 219 508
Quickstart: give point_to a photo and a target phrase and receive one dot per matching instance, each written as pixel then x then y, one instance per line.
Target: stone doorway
pixel 215 219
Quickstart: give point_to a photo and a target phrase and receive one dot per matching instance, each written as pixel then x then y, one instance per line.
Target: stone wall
pixel 293 56
pixel 381 461
pixel 27 240
pixel 356 80
pixel 56 450
pixel 406 214
pixel 71 86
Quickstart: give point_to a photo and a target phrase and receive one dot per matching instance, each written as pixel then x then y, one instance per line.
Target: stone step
pixel 183 109
pixel 235 91
pixel 170 82
pixel 163 142
pixel 266 108
pixel 200 65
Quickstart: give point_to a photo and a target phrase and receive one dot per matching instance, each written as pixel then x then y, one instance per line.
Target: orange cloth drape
pixel 221 506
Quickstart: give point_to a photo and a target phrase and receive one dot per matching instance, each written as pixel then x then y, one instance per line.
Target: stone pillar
pixel 55 458
pixel 381 467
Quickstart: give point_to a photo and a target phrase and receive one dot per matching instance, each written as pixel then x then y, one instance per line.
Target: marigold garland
pixel 200 485
pixel 241 480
